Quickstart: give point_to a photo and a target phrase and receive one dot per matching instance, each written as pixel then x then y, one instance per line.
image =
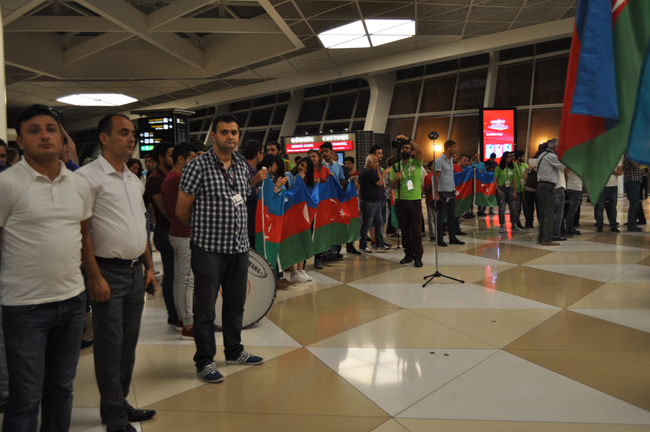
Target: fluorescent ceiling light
pixel 97 99
pixel 354 35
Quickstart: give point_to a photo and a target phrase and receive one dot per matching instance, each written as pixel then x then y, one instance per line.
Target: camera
pixel 398 143
pixel 433 136
pixel 442 202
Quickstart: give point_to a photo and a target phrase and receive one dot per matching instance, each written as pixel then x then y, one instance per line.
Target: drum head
pixel 260 291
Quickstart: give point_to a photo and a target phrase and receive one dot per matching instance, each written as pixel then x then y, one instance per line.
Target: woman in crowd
pixel 320 172
pixel 135 166
pixel 13 157
pixel 506 177
pixel 305 169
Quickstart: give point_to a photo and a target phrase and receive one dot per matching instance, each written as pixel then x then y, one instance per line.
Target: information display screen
pixel 499 131
pixel 303 143
pixel 166 128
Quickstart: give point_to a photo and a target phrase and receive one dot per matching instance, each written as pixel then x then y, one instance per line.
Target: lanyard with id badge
pixel 236 198
pixel 409 182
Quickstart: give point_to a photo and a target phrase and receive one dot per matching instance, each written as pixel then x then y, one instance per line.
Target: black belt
pixel 547 182
pixel 370 202
pixel 118 262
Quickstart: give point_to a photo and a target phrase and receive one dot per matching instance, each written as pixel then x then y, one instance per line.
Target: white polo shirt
pixel 41 235
pixel 118 226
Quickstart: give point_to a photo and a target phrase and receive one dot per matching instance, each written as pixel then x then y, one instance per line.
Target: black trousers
pixel 409 217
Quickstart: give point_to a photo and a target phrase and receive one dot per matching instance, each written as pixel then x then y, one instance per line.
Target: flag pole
pixel 263 218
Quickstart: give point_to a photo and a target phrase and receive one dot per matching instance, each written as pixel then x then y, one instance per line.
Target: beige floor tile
pixel 509 253
pixel 163 371
pixel 403 329
pixel 570 331
pixel 614 296
pixel 357 267
pixel 469 274
pixel 297 383
pixel 497 327
pixel 86 393
pixel 638 241
pixel 175 421
pixel 341 297
pixel 540 285
pixel 154 301
pixel 391 425
pixel 604 257
pixel 622 374
pixel 645 261
pixel 426 425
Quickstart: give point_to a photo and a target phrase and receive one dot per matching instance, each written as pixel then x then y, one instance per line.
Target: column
pixel 3 86
pixel 381 94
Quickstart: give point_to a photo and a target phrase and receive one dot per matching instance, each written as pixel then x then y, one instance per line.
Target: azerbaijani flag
pixel 639 146
pixel 268 221
pixel 337 215
pixel 350 215
pixel 486 189
pixel 464 183
pixel 610 40
pixel 299 211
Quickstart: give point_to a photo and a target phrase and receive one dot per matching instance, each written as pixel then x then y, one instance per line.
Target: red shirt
pixel 321 174
pixel 457 168
pixel 355 174
pixel 428 190
pixel 152 188
pixel 169 193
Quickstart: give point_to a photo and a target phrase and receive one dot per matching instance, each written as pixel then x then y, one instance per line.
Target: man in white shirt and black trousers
pixel 211 200
pixel 114 266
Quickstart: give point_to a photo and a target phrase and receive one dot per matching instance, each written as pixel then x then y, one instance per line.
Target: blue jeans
pixel 575 198
pixel 506 197
pixel 611 194
pixel 213 271
pixel 371 216
pixel 559 211
pixel 633 191
pixel 42 343
pixel 161 240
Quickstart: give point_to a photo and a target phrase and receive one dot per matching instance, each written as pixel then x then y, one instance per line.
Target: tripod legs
pixel 438 274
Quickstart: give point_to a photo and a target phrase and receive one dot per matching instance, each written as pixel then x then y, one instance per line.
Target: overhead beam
pixel 275 16
pixel 39 53
pixel 220 25
pixel 21 11
pixel 70 24
pixel 94 46
pixel 134 21
pixel 174 11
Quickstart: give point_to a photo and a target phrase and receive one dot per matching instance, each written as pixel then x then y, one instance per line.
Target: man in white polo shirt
pixel 116 280
pixel 44 214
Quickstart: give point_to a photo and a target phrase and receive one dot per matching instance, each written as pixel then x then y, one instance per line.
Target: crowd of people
pixel 83 239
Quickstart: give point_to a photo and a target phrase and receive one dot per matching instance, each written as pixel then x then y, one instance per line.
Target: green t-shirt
pixel 412 171
pixel 507 177
pixel 521 170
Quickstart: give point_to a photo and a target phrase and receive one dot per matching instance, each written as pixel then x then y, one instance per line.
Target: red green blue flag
pixel 299 212
pixel 485 189
pixel 269 221
pixel 464 182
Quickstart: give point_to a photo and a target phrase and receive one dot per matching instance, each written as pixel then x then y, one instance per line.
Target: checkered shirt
pixel 217 224
pixel 632 173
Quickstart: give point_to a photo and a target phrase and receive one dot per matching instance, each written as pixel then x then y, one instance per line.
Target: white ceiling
pixel 162 51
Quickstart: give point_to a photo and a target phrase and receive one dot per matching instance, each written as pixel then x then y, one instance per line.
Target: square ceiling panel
pixel 493 14
pixel 321 26
pixel 288 11
pixel 311 8
pixel 370 9
pixel 552 3
pixel 407 12
pixel 474 28
pixel 458 14
pixel 429 10
pixel 439 28
pixel 348 11
pixel 301 29
pixel 538 14
pixel 510 3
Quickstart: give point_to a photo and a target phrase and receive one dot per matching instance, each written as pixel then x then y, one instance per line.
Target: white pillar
pixel 381 94
pixel 3 86
pixel 491 85
pixel 292 114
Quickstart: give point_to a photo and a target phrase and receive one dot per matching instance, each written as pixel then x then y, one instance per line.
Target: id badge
pixel 238 200
pixel 409 185
pixel 507 183
pixel 521 181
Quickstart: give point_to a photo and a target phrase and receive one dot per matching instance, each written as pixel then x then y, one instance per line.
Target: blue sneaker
pixel 247 358
pixel 210 374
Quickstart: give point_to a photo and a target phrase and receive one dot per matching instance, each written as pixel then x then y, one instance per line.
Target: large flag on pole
pixel 599 102
pixel 639 145
pixel 486 190
pixel 464 182
pixel 299 211
pixel 268 221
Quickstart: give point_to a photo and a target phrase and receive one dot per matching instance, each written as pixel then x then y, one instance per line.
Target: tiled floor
pixel 537 339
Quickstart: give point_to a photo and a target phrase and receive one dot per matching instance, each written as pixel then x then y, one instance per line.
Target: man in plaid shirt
pixel 632 184
pixel 211 200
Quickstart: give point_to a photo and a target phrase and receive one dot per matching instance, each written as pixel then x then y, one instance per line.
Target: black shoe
pixel 442 243
pixel 327 263
pixel 138 415
pixel 338 255
pixel 641 223
pixel 337 258
pixel 520 226
pixel 480 214
pixel 634 229
pixel 318 264
pixel 569 235
pixel 86 343
pixel 353 251
pixel 576 232
pixel 576 225
pixel 599 229
pixel 456 242
pixel 559 238
pixel 407 259
pixel 418 262
pixel 127 428
pixel 460 233
pixel 616 230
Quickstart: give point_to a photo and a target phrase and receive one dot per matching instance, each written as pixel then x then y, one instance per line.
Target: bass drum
pixel 260 294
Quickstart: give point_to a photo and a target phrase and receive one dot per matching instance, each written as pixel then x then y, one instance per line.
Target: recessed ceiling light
pixel 97 99
pixel 354 35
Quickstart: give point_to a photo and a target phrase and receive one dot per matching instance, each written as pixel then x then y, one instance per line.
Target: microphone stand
pixel 431 277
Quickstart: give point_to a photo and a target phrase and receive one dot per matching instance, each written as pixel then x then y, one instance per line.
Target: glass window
pixel 316 91
pixel 396 127
pixel 522 129
pixel 280 112
pixel 471 90
pixel 545 124
pixel 196 125
pixel 241 118
pixel 405 98
pixel 266 100
pixel 553 46
pixel 437 68
pixel 413 72
pixel 513 85
pixel 345 85
pixel 429 124
pixel 284 97
pixel 362 104
pixel 236 106
pixel 466 131
pixel 358 126
pixel 312 110
pixel 253 135
pixel 274 135
pixel 438 94
pixel 341 107
pixel 515 53
pixel 335 127
pixel 477 60
pixel 550 79
pixel 260 117
pixel 306 129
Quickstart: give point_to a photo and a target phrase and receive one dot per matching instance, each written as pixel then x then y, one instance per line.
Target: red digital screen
pixel 302 144
pixel 498 132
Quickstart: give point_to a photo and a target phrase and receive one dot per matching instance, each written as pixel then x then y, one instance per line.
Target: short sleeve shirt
pixel 412 171
pixel 153 188
pixel 219 217
pixel 169 193
pixel 336 169
pixel 41 235
pixel 446 179
pixel 369 191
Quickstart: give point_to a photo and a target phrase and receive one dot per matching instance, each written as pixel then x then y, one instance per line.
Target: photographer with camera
pixel 406 179
pixel 445 195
